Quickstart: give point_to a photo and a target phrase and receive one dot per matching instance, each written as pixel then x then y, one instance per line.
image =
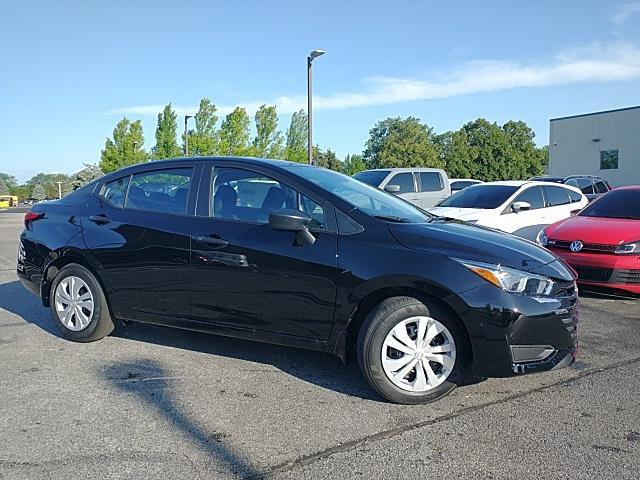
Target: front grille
pixel 593 274
pixel 628 277
pixel 586 247
pixel 567 293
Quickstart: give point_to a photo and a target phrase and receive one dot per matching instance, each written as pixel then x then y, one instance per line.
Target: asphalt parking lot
pixel 149 402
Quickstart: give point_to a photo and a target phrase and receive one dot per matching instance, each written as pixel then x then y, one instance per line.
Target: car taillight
pixel 31 216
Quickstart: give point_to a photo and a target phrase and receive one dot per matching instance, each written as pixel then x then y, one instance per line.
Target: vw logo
pixel 576 246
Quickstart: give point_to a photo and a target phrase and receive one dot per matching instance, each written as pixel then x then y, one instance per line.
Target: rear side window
pixel 556 196
pixel 115 191
pixel 404 181
pixel 163 191
pixel 586 186
pixel 532 196
pixel 601 187
pixel 574 196
pixel 430 181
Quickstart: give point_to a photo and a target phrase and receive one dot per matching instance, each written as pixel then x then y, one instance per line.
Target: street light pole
pixel 59 189
pixel 186 135
pixel 312 55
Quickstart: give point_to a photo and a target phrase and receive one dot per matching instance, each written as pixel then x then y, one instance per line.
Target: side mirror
pixel 520 206
pixel 291 220
pixel 392 188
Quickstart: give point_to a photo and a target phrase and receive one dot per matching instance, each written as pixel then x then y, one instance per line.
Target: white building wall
pixel 575 144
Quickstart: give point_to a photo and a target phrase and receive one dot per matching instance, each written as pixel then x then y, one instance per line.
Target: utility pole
pixel 312 55
pixel 59 189
pixel 186 135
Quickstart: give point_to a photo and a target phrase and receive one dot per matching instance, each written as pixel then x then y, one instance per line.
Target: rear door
pixel 432 189
pixel 247 276
pixel 558 201
pixel 137 230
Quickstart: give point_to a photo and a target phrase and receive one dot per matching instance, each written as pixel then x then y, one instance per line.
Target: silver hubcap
pixel 418 354
pixel 74 303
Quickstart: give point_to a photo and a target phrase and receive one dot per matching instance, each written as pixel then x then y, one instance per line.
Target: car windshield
pixel 623 203
pixel 480 196
pixel 372 177
pixel 368 199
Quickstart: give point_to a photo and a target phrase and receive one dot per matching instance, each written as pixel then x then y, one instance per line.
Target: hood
pixel 480 244
pixel 459 213
pixel 606 231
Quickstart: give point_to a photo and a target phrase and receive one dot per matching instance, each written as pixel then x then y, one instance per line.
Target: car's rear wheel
pixel 411 351
pixel 79 306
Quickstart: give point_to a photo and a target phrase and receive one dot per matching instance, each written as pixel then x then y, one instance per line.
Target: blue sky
pixel 69 70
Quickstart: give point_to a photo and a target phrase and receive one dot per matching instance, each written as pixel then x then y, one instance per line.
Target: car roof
pixel 465 180
pixel 404 169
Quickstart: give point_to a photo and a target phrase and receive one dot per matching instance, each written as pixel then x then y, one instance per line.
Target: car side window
pixel 601 187
pixel 573 182
pixel 404 181
pixel 532 196
pixel 164 191
pixel 115 191
pixel 247 196
pixel 574 196
pixel 431 181
pixel 586 186
pixel 556 196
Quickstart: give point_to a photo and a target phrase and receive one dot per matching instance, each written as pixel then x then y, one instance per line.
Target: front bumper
pixel 514 334
pixel 619 272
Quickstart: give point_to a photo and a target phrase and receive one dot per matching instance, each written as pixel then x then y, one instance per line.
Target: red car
pixel 602 242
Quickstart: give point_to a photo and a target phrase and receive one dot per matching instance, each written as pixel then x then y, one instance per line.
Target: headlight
pixel 511 280
pixel 628 248
pixel 542 239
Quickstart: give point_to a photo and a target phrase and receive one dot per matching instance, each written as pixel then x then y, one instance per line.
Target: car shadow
pixel 321 369
pixel 148 382
pixel 606 294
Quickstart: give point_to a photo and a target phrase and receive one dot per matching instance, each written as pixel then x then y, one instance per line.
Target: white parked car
pixel 424 187
pixel 458 184
pixel 522 208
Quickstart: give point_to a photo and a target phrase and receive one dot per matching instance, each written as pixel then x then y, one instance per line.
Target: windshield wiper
pixel 392 218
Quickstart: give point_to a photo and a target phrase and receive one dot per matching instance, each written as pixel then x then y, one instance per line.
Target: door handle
pixel 214 242
pixel 101 219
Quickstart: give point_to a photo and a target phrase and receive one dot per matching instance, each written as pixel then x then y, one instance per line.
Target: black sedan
pixel 297 255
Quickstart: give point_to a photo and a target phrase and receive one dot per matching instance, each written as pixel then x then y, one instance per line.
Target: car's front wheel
pixel 411 351
pixel 79 306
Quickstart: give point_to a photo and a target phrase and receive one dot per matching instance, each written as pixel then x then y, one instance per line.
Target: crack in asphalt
pixel 386 434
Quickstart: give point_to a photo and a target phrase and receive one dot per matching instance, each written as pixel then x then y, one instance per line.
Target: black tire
pixel 380 321
pixel 100 324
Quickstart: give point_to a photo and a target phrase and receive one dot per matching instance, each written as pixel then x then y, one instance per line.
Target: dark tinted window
pixel 163 191
pixel 556 196
pixel 404 181
pixel 115 191
pixel 480 196
pixel 461 184
pixel 249 197
pixel 372 177
pixel 601 187
pixel 574 196
pixel 608 159
pixel 430 181
pixel 533 196
pixel 586 185
pixel 621 203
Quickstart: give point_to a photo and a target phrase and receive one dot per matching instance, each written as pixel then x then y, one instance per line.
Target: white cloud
pixel 596 63
pixel 623 12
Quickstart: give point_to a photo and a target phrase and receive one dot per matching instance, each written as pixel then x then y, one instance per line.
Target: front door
pixel 247 275
pixel 138 232
pixel 526 223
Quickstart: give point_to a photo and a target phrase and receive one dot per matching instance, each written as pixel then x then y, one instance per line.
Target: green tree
pixel 49 182
pixel 4 188
pixel 235 133
pixel 38 193
pixel 268 140
pixel 296 143
pixel 353 164
pixel 396 142
pixel 205 139
pixel 126 147
pixel 166 136
pixel 327 159
pixel 9 180
pixel 86 175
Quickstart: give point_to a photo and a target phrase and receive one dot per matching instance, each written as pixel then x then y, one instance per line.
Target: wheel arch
pixel 435 294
